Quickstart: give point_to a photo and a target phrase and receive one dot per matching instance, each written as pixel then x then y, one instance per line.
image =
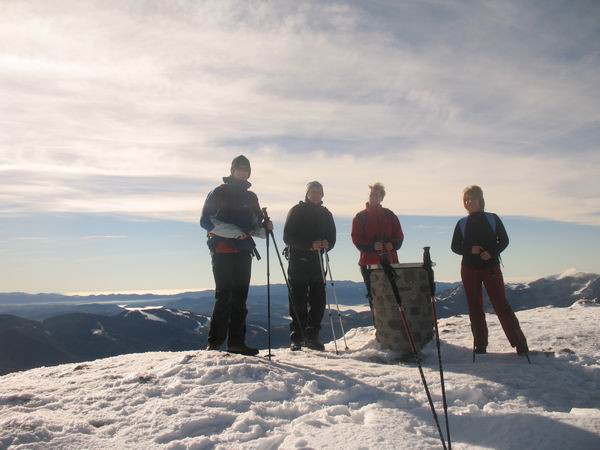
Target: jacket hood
pixel 242 184
pixel 306 201
pixel 369 206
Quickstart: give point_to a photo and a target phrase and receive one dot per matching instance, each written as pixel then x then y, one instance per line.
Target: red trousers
pixel 494 285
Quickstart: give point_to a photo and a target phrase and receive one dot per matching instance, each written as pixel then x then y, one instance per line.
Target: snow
pixel 360 399
pixel 178 312
pixel 583 288
pixel 568 273
pixel 141 308
pixel 100 331
pixel 355 308
pixel 200 327
pixel 146 315
pixel 149 316
pixel 571 272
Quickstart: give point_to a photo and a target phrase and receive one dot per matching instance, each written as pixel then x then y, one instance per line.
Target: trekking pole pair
pixel 337 304
pixel 287 283
pixel 428 265
pixel 324 277
pixel 268 288
pixel 391 275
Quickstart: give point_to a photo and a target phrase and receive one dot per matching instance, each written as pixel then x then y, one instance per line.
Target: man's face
pixel 241 173
pixel 314 195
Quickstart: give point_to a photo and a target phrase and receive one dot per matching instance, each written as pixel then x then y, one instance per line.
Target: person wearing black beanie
pixel 240 162
pixel 232 216
pixel 308 232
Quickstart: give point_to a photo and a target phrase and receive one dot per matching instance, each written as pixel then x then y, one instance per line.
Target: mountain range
pixel 49 329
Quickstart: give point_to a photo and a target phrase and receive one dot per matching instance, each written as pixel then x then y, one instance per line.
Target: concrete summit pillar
pixel 413 285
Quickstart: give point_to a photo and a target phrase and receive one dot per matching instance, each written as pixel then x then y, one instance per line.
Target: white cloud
pixel 424 96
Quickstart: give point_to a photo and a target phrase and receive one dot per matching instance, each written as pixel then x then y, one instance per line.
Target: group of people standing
pixel 232 217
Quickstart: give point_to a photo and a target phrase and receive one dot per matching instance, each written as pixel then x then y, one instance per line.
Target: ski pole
pixel 319 254
pixel 391 275
pixel 336 300
pixel 295 319
pixel 428 265
pixel 268 298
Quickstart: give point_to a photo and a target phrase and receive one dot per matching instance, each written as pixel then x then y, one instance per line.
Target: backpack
pixel 462 223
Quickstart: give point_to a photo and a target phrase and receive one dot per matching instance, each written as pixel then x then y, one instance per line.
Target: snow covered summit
pixel 361 399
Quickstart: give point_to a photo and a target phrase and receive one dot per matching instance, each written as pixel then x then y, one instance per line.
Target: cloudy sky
pixel 117 118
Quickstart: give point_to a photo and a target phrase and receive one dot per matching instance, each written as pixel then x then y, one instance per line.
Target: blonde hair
pixel 475 192
pixel 378 187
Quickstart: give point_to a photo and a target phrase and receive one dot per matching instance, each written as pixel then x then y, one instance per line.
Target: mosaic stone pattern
pixel 413 285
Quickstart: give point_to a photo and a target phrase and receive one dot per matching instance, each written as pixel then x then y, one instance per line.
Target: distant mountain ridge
pixel 66 332
pixel 22 298
pixel 25 344
pixel 551 290
pixel 548 291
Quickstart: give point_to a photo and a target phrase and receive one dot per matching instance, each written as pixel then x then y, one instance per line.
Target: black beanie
pixel 313 184
pixel 240 161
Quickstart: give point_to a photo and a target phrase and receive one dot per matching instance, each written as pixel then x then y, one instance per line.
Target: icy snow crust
pixel 361 399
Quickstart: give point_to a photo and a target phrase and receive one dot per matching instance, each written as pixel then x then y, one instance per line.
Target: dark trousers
pixel 492 279
pixel 232 278
pixel 308 298
pixel 307 309
pixel 366 274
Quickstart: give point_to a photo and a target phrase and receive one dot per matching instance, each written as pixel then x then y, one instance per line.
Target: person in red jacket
pixel 376 230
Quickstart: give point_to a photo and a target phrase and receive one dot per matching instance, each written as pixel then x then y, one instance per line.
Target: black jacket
pixel 479 232
pixel 306 223
pixel 234 204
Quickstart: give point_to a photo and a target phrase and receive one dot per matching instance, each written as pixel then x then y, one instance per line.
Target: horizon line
pixel 512 280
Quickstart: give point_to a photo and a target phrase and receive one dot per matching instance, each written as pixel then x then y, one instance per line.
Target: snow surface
pixel 583 288
pixel 571 272
pixel 144 314
pixel 360 399
pixel 149 316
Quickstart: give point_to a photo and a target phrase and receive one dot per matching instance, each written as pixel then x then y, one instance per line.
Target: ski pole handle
pixel 265 214
pixel 267 220
pixel 428 266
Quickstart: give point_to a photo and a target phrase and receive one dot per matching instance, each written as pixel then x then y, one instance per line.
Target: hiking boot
pixel 243 349
pixel 522 349
pixel 481 350
pixel 213 347
pixel 315 344
pixel 295 346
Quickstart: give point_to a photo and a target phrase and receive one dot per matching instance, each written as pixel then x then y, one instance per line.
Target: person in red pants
pixel 480 238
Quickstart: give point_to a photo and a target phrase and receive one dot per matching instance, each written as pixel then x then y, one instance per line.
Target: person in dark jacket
pixel 231 215
pixel 480 238
pixel 309 231
pixel 376 230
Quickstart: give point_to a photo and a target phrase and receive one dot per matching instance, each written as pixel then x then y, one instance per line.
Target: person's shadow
pixel 485 423
pixel 550 382
pixel 521 431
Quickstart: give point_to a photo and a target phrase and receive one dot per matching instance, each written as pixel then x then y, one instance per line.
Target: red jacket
pixel 376 224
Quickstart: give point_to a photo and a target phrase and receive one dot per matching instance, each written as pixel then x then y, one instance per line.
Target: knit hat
pixel 240 161
pixel 313 184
